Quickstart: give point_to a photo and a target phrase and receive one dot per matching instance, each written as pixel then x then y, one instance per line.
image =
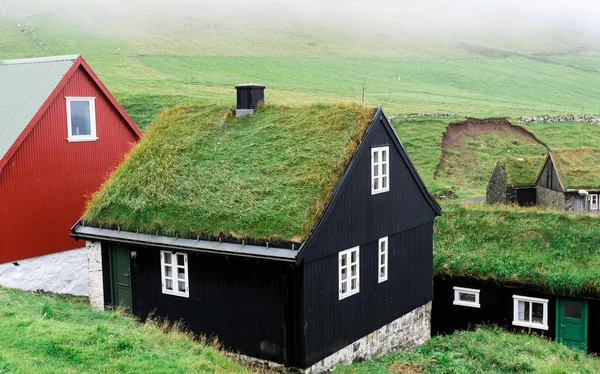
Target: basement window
pixel 466 297
pixel 380 181
pixel 530 312
pixel 383 259
pixel 174 273
pixel 349 281
pixel 81 119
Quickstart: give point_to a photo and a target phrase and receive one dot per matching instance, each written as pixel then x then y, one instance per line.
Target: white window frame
pixel 92 106
pixel 378 166
pixel 530 300
pixel 384 277
pixel 463 290
pixel 174 266
pixel 349 291
pixel 592 205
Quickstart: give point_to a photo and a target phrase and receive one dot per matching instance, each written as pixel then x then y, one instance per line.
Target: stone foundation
pixel 63 272
pixel 94 270
pixel 409 331
pixel 550 199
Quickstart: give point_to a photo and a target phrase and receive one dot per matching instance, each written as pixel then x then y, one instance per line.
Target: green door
pixel 571 322
pixel 120 271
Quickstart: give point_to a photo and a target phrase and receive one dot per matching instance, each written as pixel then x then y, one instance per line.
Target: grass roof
pixel 578 168
pixel 552 251
pixel 200 171
pixel 522 171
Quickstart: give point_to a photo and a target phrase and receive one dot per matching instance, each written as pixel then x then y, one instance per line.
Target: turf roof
pixel 202 172
pixel 522 171
pixel 552 251
pixel 578 168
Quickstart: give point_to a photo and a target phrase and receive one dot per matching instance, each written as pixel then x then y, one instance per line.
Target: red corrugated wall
pixel 47 181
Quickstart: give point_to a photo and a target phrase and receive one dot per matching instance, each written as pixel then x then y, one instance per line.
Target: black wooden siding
pixel 548 177
pixel 497 308
pixel 250 305
pixel 357 218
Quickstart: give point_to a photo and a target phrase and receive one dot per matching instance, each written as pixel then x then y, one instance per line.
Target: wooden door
pixel 120 271
pixel 571 322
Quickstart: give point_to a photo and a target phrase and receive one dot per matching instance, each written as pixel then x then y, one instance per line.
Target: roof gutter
pixel 80 231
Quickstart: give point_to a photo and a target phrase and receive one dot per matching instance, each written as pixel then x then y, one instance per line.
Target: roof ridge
pixel 35 60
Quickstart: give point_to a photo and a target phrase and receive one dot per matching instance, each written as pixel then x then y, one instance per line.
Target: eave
pixel 80 231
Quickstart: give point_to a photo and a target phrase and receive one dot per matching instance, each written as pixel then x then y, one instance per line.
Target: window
pixel 349 272
pixel 380 181
pixel 174 271
pixel 594 202
pixel 530 312
pixel 81 119
pixel 466 297
pixel 383 259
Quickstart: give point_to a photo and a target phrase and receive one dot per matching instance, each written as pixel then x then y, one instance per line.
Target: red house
pixel 61 135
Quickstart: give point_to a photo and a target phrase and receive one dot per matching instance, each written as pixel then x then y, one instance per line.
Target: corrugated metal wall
pixel 46 183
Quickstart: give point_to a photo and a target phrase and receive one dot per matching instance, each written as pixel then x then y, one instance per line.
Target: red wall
pixel 47 181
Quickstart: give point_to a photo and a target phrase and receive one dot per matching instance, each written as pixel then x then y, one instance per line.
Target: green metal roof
pixel 24 86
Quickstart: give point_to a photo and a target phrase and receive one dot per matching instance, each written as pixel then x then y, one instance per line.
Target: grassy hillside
pixel 484 350
pixel 553 251
pixel 44 333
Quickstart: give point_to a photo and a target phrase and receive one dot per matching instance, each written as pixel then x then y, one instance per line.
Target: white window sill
pixel 173 293
pixel 375 192
pixel 82 139
pixel 463 303
pixel 348 294
pixel 381 280
pixel 530 325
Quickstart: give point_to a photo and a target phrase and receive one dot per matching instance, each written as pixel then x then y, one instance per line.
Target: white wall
pixel 64 272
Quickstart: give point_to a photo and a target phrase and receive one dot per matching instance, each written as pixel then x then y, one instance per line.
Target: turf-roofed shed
pixel 570 180
pixel 513 181
pixel 291 233
pixel 521 268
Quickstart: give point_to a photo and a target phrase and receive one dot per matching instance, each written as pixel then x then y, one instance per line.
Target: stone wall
pixel 495 192
pixel 409 331
pixel 94 271
pixel 550 199
pixel 63 272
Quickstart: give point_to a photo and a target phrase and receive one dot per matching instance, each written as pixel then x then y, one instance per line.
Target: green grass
pixel 578 168
pixel 552 251
pixel 468 164
pixel 485 350
pixel 44 333
pixel 523 171
pixel 201 171
pixel 566 134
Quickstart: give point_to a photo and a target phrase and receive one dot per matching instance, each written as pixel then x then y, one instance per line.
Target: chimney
pixel 249 95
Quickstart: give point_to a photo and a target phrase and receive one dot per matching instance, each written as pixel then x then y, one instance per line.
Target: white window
pixel 466 297
pixel 380 181
pixel 383 259
pixel 594 202
pixel 81 119
pixel 530 312
pixel 174 271
pixel 349 272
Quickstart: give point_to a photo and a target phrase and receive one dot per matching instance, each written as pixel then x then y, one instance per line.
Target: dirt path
pixel 474 126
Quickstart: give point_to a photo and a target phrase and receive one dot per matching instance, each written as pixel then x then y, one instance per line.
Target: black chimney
pixel 249 95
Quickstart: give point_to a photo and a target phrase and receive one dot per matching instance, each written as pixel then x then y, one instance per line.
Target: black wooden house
pixel 301 235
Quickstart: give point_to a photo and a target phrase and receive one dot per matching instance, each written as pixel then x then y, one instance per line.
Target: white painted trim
pixel 378 166
pixel 385 265
pixel 174 280
pixel 516 322
pixel 349 277
pixel 92 107
pixel 593 206
pixel 463 290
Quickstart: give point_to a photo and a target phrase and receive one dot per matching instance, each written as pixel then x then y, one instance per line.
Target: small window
pixel 383 259
pixel 594 202
pixel 349 272
pixel 466 297
pixel 530 312
pixel 81 119
pixel 380 181
pixel 174 270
